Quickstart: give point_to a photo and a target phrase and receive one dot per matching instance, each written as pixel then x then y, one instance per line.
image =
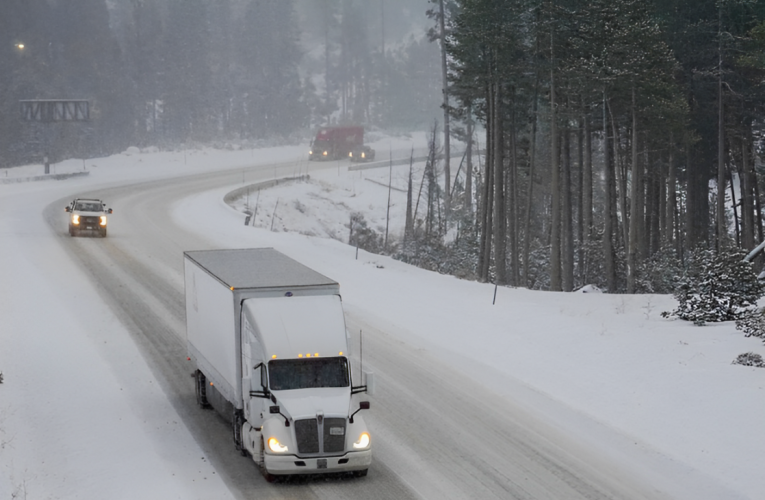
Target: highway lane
pixel 436 434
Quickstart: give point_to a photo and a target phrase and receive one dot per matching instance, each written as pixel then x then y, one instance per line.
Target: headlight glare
pixel 75 219
pixel 363 442
pixel 275 446
pixel 103 220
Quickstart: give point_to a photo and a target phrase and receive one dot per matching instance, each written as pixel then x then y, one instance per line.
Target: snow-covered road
pixel 98 399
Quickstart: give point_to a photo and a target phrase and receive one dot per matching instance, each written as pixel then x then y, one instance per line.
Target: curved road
pixel 436 435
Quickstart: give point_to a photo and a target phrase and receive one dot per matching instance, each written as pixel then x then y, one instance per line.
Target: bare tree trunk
pixel 735 210
pixel 532 167
pixel 621 184
pixel 662 214
pixel 608 231
pixel 500 222
pixel 580 197
pixel 671 193
pixel 409 224
pixel 587 186
pixel 513 214
pixel 747 206
pixel 721 231
pixel 567 214
pixel 635 215
pixel 469 164
pixel 654 209
pixel 445 89
pixel 555 227
pixel 484 249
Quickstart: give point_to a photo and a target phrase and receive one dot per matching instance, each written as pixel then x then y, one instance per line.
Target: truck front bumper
pixel 291 464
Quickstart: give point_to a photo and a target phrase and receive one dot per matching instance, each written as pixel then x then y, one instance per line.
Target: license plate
pixel 321 463
pixel 337 431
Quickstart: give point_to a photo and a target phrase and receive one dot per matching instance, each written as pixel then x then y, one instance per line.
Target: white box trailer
pixel 268 338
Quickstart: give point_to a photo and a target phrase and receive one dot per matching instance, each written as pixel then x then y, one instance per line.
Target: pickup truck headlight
pixel 75 219
pixel 103 220
pixel 275 446
pixel 363 442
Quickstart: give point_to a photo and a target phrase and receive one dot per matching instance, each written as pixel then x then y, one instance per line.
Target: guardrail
pixel 45 177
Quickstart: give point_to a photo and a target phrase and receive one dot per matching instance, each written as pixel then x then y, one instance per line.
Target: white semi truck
pixel 268 338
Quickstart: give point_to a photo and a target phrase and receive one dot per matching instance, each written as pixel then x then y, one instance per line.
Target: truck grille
pixel 89 220
pixel 331 430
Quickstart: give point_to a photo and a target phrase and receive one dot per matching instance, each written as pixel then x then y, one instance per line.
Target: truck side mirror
pixel 110 210
pixel 364 405
pixel 66 209
pixel 274 410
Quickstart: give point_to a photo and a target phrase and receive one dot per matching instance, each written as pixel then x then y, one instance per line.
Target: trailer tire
pixel 237 422
pixel 200 381
pixel 270 478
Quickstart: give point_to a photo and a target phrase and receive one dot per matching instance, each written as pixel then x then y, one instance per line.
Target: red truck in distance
pixel 336 143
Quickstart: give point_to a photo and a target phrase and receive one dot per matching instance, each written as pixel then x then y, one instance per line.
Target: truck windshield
pixel 307 373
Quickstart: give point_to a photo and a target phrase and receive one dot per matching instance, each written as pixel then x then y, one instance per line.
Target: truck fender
pixel 274 427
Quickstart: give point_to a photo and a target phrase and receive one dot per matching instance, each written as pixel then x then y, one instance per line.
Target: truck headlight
pixel 361 444
pixel 310 152
pixel 75 219
pixel 103 220
pixel 324 153
pixel 275 446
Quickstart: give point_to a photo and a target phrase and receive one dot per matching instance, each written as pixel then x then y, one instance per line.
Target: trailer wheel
pixel 200 381
pixel 237 422
pixel 262 463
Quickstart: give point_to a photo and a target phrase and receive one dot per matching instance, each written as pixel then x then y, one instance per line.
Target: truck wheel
pixel 102 232
pixel 71 231
pixel 237 422
pixel 270 478
pixel 200 381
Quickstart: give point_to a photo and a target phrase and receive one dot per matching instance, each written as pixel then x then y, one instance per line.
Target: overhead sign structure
pixel 55 110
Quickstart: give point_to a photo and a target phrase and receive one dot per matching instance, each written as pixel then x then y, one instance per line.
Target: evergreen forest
pixel 572 142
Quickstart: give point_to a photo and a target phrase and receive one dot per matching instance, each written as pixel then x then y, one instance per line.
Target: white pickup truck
pixel 268 339
pixel 87 215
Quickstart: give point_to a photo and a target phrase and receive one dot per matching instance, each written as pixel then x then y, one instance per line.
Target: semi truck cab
pixel 298 419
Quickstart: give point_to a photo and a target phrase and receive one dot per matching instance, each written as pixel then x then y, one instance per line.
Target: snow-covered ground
pixel 665 388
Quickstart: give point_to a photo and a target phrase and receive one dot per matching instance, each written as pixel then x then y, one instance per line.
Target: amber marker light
pixel 340 353
pixel 273 356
